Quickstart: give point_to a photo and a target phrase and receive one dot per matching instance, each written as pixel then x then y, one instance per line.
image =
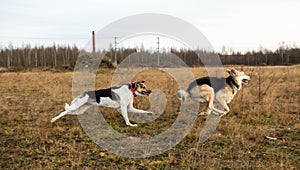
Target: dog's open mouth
pixel 146 93
pixel 245 81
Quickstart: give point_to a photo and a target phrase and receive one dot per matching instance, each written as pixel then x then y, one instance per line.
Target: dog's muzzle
pixel 246 81
pixel 146 93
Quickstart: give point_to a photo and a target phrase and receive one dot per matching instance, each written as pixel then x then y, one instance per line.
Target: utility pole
pixel 158 51
pixel 115 62
pixel 94 42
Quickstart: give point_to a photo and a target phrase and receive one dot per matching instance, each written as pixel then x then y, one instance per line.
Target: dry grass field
pixel 268 106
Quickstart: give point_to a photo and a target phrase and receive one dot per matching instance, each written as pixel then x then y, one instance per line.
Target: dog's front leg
pixel 123 110
pixel 134 110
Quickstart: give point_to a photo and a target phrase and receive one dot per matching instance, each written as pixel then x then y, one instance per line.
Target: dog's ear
pixel 133 84
pixel 228 71
pixel 234 71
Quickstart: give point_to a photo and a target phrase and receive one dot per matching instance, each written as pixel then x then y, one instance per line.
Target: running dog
pixel 120 98
pixel 210 89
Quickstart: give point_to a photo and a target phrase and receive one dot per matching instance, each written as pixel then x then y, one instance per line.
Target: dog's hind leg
pixel 207 95
pixel 76 98
pixel 78 111
pixel 210 100
pixel 223 105
pixel 60 115
pixel 82 109
pixel 67 106
pixel 71 109
pixel 77 102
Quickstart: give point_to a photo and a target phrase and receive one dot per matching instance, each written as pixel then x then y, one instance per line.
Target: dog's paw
pixel 53 120
pixel 217 114
pixel 223 114
pixel 201 113
pixel 132 125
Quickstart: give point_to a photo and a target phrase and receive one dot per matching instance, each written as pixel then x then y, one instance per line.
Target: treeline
pixel 288 56
pixel 39 56
pixel 66 56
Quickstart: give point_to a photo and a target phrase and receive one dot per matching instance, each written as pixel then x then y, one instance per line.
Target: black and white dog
pixel 120 98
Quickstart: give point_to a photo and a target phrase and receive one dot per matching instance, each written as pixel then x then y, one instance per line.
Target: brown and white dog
pixel 215 89
pixel 120 98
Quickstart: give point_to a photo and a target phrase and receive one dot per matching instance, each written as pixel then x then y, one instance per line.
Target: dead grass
pixel 31 99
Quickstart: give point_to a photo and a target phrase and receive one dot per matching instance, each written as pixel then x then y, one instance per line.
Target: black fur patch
pixel 101 93
pixel 230 80
pixel 216 83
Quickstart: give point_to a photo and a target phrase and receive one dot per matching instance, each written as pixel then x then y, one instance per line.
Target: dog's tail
pixel 183 94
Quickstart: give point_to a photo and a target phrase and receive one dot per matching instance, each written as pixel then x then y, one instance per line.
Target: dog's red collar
pixel 132 90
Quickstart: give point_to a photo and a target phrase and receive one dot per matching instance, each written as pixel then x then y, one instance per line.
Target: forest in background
pixel 57 56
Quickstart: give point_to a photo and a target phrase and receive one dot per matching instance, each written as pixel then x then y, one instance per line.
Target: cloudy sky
pixel 238 24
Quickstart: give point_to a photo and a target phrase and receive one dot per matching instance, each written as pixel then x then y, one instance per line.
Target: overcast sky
pixel 238 24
